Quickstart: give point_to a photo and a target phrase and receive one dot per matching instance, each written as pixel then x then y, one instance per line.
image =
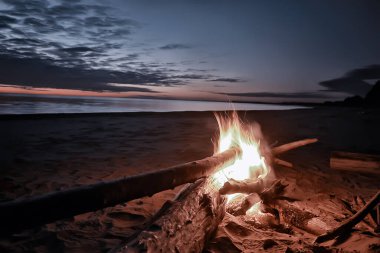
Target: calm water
pixel 16 104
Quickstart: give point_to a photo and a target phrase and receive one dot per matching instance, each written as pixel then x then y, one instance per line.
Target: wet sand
pixel 39 154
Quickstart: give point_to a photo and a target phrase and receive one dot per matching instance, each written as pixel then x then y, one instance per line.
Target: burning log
pixel 245 186
pixel 47 208
pixel 348 224
pixel 355 162
pixel 186 225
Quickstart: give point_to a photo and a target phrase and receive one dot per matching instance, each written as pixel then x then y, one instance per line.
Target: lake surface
pixel 21 104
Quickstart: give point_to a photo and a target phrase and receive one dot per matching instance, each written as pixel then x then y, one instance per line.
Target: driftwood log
pixel 47 208
pixel 184 225
pixel 355 162
pixel 348 224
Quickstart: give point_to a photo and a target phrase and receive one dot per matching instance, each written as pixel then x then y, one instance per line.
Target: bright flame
pixel 250 163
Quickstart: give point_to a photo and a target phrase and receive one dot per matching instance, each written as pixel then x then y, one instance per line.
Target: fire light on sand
pixel 251 163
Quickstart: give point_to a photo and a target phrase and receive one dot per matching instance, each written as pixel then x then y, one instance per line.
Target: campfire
pixel 251 165
pixel 245 185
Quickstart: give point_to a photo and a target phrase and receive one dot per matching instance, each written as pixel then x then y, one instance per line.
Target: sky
pixel 265 51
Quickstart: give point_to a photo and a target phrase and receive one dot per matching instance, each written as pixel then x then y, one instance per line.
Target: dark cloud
pixel 27 7
pixel 366 73
pixel 191 76
pixel 353 82
pixel 24 42
pixel 44 73
pixel 68 10
pixel 84 34
pixel 77 49
pixel 227 80
pixel 175 46
pixel 280 95
pixel 349 85
pixel 6 21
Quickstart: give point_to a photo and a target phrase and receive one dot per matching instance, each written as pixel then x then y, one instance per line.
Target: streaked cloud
pixel 175 46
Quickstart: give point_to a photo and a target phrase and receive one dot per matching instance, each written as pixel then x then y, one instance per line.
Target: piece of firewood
pixel 25 213
pixel 186 225
pixel 266 190
pixel 243 186
pixel 348 224
pixel 355 162
pixel 293 145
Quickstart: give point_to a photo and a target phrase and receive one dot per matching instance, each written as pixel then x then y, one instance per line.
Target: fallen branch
pixel 34 211
pixel 293 145
pixel 186 225
pixel 348 224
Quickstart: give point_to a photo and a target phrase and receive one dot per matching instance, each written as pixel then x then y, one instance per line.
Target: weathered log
pixel 186 225
pixel 355 162
pixel 293 145
pixel 348 224
pixel 34 211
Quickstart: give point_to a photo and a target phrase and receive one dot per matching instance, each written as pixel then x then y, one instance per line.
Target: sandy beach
pixel 45 153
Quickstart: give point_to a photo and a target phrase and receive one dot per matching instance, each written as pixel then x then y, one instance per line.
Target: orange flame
pixel 250 164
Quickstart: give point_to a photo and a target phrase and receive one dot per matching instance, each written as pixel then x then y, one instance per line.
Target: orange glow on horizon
pixel 159 92
pixel 64 92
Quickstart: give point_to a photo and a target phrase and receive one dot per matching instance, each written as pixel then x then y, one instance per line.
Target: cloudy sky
pixel 193 49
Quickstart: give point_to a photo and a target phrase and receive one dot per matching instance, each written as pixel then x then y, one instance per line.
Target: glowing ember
pixel 250 164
